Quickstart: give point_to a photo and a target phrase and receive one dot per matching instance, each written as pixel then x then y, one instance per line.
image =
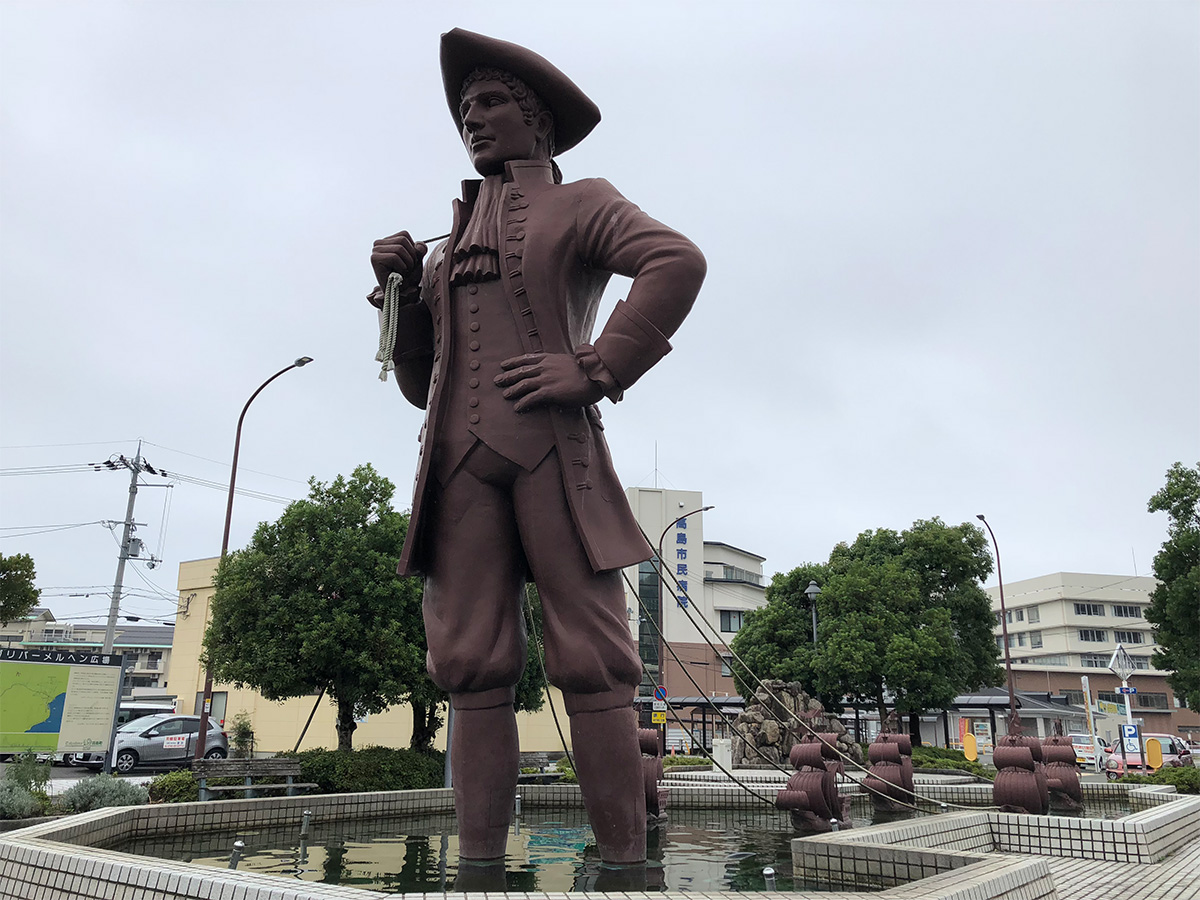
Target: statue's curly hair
pixel 527 99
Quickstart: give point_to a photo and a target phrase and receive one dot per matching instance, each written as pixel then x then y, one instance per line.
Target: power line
pixel 225 465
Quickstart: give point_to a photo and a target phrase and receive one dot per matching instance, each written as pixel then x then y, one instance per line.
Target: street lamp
pixel 812 592
pixel 662 585
pixel 206 707
pixel 1014 720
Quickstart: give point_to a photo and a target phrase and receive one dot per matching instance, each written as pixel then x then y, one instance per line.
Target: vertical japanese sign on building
pixel 57 701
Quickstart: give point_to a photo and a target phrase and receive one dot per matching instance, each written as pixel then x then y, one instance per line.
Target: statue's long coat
pixel 560 244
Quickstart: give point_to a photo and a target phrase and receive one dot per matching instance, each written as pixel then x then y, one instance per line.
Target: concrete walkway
pixel 1177 878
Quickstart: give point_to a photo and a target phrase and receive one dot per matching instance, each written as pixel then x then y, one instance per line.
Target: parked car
pixel 1088 753
pixel 160 740
pixel 1175 752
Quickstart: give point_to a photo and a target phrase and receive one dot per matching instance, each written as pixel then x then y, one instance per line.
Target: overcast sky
pixel 954 262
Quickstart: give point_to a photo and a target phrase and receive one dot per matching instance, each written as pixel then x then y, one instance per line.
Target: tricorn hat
pixel 575 115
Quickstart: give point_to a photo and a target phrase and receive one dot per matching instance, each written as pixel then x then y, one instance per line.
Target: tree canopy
pixel 314 603
pixel 18 596
pixel 1174 608
pixel 900 615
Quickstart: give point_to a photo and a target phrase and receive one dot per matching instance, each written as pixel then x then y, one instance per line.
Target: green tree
pixel 314 602
pixel 899 614
pixel 1174 608
pixel 17 594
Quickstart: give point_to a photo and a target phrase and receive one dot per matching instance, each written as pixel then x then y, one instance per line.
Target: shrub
pixel 564 768
pixel 26 772
pixel 17 802
pixel 669 761
pixel 1186 779
pixel 100 791
pixel 945 758
pixel 241 735
pixel 174 787
pixel 371 769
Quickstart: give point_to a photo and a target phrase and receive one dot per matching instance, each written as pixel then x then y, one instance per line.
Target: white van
pixel 1088 753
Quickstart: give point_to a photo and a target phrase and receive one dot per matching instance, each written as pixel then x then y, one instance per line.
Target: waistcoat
pixel 484 335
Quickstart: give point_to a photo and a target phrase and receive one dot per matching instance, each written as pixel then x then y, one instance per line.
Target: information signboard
pixel 57 701
pixel 658 718
pixel 1129 737
pixel 660 705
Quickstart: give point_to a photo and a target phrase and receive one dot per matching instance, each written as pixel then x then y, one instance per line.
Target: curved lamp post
pixel 1014 719
pixel 662 592
pixel 812 592
pixel 202 737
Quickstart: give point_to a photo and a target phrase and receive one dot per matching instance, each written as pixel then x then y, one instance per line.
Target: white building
pixel 1066 626
pixel 716 583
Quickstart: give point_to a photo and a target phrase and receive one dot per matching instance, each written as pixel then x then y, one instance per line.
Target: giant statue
pixel 491 334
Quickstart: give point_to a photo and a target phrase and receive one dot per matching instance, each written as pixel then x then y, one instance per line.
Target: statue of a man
pixel 491 338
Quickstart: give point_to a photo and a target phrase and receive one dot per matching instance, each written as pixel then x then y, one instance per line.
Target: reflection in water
pixel 703 850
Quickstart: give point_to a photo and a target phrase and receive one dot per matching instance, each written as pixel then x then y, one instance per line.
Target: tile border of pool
pixel 67 858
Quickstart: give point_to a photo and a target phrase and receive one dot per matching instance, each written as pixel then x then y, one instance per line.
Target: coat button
pixel 474 364
pixel 474 326
pixel 474 382
pixel 474 307
pixel 474 345
pixel 473 418
pixel 473 289
pixel 473 402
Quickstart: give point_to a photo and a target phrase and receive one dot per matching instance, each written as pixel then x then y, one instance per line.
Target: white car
pixel 1088 753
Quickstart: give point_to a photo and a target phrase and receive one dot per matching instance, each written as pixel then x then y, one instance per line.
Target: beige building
pixel 147 648
pixel 1066 626
pixel 278 724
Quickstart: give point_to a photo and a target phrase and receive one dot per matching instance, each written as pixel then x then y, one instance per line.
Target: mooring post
pixel 236 856
pixel 769 878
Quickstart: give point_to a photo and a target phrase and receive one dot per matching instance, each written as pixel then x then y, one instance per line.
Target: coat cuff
pixel 595 369
pixel 630 345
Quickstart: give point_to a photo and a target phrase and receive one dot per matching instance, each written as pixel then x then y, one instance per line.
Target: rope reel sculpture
pixel 1062 775
pixel 811 794
pixel 890 778
pixel 1021 785
pixel 652 776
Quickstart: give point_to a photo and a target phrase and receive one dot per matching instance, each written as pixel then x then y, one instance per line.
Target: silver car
pixel 162 740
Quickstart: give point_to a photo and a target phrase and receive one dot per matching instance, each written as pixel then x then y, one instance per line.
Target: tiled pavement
pixel 1178 878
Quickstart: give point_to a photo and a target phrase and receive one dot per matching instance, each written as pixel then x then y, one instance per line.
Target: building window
pixel 1075 698
pixel 727 666
pixel 1093 660
pixel 1111 697
pixel 1034 615
pixel 1150 701
pixel 999 619
pixel 1140 662
pixel 731 620
pixel 1035 639
pixel 1129 637
pixel 1056 659
pixel 1093 635
pixel 1089 609
pixel 1127 612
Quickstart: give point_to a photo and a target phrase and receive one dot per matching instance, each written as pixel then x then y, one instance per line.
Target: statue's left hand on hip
pixel 547 379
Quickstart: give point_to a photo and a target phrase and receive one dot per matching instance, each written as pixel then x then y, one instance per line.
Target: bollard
pixel 944 807
pixel 833 824
pixel 304 824
pixel 303 854
pixel 236 856
pixel 769 877
pixel 518 809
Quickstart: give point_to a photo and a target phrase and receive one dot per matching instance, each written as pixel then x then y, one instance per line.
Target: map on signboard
pixel 32 699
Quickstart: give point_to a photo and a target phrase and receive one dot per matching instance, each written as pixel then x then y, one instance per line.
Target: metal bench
pixel 248 770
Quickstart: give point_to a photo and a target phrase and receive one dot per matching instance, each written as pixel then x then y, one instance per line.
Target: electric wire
pixel 725 718
pixel 762 686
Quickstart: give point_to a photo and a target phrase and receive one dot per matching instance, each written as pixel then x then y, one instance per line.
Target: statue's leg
pixel 475 632
pixel 484 764
pixel 591 658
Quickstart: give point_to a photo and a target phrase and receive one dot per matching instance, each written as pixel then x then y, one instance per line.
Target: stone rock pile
pixel 774 724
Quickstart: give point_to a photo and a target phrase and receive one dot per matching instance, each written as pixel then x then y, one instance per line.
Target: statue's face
pixel 494 127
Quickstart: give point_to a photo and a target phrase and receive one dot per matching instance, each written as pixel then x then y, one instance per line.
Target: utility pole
pixel 110 630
